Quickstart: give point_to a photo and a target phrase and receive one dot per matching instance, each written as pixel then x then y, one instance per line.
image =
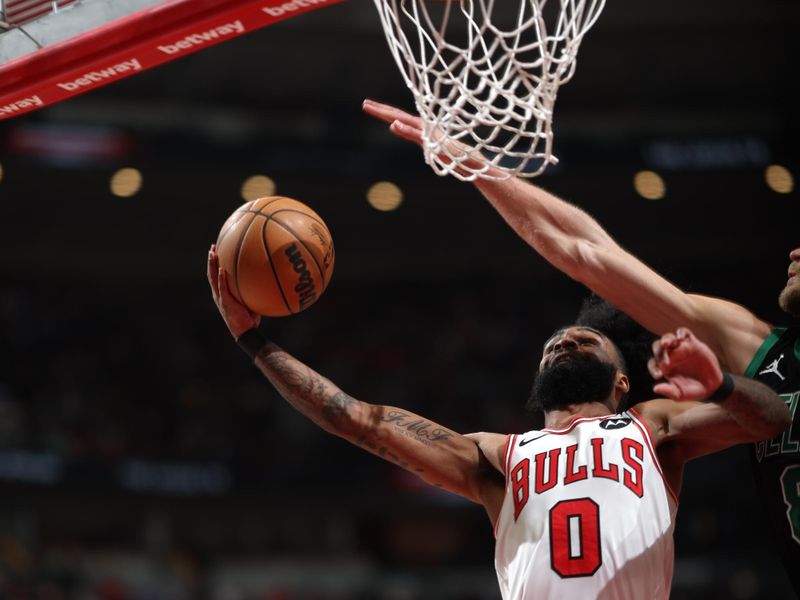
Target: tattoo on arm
pixel 416 428
pixel 306 390
pixel 333 410
pixel 336 409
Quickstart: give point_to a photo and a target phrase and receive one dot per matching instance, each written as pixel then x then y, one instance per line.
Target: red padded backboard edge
pixel 132 44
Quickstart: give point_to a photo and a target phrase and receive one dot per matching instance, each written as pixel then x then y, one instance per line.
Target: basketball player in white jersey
pixel 583 508
pixel 745 344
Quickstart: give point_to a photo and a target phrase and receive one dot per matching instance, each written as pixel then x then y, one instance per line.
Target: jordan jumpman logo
pixel 773 368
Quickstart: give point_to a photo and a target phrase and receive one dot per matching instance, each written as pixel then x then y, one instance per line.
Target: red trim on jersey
pixel 648 438
pixel 569 425
pixel 577 420
pixel 503 468
pixel 508 450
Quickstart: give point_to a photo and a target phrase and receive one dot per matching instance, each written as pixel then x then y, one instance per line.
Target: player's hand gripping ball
pixel 278 255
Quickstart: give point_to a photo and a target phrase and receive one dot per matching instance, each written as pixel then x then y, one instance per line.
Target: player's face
pixel 789 299
pixel 577 343
pixel 579 365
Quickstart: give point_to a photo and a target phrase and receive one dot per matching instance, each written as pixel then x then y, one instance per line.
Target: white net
pixel 485 78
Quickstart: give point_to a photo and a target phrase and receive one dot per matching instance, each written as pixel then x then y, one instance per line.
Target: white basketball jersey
pixel 587 514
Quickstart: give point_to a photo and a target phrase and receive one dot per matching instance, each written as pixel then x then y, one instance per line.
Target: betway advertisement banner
pixel 130 45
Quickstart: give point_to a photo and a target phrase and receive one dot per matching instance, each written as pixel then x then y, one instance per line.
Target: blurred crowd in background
pixel 143 457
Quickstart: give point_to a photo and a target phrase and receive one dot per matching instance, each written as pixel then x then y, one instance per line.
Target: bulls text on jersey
pixel 624 466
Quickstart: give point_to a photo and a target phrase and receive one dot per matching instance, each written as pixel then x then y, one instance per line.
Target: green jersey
pixel 776 462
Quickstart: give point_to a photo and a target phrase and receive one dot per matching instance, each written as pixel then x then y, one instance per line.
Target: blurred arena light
pixel 257 186
pixel 744 585
pixel 126 182
pixel 384 196
pixel 1 171
pixel 699 154
pixel 649 185
pixel 779 179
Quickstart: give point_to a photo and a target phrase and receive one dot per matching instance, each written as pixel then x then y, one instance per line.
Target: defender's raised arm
pixel 575 243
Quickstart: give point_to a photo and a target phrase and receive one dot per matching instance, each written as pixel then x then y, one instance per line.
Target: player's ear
pixel 622 383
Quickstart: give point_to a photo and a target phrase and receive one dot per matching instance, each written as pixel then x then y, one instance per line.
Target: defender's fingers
pixel 655 372
pixel 388 113
pixel 384 112
pixel 668 390
pixel 407 132
pixel 668 340
pixel 377 107
pixel 657 348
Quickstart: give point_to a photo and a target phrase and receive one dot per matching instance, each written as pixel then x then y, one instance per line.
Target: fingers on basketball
pixel 222 285
pixel 211 273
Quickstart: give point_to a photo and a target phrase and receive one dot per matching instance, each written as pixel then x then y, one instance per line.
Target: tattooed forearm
pixel 417 428
pixel 336 409
pixel 309 392
pixel 402 438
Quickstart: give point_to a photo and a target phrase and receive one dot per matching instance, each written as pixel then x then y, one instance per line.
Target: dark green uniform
pixel 776 462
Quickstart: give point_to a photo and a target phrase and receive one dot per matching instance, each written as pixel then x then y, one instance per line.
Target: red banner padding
pixel 132 44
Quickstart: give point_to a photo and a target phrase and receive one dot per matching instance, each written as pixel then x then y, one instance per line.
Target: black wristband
pixel 724 390
pixel 251 341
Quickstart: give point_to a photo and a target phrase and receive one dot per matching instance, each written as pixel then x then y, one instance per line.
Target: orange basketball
pixel 278 254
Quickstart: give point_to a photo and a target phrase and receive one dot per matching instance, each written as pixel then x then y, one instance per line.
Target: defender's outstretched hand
pixel 401 123
pixel 236 315
pixel 689 366
pixel 409 127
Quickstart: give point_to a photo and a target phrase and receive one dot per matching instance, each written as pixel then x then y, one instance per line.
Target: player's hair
pixel 632 341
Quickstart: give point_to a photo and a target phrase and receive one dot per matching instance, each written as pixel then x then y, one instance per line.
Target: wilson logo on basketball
pixel 305 285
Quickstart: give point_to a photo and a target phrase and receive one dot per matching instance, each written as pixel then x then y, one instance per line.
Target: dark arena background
pixel 143 457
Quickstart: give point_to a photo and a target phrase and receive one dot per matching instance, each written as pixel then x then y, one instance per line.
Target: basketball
pixel 278 255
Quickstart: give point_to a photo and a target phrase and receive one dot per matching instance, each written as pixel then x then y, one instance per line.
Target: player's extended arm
pixel 576 244
pixel 438 455
pixel 707 411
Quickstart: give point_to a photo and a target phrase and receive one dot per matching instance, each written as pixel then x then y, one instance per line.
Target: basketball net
pixel 486 79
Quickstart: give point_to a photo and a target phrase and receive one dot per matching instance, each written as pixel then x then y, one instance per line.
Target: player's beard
pixel 789 300
pixel 572 381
